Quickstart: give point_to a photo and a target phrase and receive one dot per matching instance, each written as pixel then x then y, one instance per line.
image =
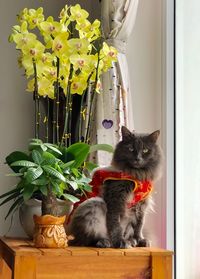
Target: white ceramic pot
pixel 33 207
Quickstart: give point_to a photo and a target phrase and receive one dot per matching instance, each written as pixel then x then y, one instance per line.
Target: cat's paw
pixel 143 242
pixel 133 242
pixel 103 243
pixel 122 244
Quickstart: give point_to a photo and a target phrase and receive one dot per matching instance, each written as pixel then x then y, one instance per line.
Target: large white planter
pixel 33 207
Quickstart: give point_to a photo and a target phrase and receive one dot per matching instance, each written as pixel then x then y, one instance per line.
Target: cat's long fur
pixel 106 221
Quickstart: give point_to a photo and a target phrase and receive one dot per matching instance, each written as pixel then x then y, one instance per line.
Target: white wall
pixel 16 105
pixel 144 61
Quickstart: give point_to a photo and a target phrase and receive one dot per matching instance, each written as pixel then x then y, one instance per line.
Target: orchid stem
pixel 37 103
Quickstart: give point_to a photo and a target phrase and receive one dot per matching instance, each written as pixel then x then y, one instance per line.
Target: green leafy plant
pixel 49 172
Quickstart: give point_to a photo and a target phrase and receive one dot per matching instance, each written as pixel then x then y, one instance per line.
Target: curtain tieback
pixel 118 44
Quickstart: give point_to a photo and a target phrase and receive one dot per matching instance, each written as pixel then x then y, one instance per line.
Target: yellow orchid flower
pixel 64 82
pixel 83 26
pixel 45 87
pixel 108 51
pixel 78 84
pixel 98 88
pixel 50 72
pixel 60 44
pixel 64 15
pixel 35 17
pixel 23 16
pixel 44 61
pixel 88 30
pixel 34 49
pixel 23 39
pixel 82 61
pixel 30 85
pixel 77 13
pixel 50 27
pixel 78 45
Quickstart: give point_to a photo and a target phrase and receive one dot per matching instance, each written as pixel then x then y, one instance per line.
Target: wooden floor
pixel 20 260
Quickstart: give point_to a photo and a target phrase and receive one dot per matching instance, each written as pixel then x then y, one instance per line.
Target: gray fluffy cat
pixel 107 221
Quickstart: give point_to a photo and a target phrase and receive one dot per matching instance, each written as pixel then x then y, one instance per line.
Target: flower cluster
pixel 68 51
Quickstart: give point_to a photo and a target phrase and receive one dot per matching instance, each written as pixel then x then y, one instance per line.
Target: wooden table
pixel 20 260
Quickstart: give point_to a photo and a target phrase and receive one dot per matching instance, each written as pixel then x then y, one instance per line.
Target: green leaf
pixel 56 188
pixel 102 147
pixel 33 173
pixel 28 191
pixel 73 184
pixel 38 141
pixel 11 197
pixel 24 163
pixel 37 157
pixel 43 189
pixel 9 193
pixel 52 147
pixel 87 188
pixel 90 166
pixel 53 172
pixel 17 202
pixel 67 165
pixel 71 198
pixel 15 174
pixel 48 158
pixel 75 172
pixel 77 152
pixel 16 156
pixel 44 148
pixel 41 181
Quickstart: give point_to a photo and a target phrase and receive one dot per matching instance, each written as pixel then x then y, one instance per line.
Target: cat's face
pixel 137 151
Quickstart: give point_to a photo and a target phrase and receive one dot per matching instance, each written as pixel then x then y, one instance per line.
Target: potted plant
pixel 49 172
pixel 63 61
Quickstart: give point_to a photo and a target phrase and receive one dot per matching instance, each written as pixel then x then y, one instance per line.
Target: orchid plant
pixel 62 59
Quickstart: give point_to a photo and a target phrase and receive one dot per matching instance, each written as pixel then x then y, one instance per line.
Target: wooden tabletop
pixel 24 246
pixel 19 259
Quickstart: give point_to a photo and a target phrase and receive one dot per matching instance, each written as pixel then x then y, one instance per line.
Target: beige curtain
pixel 114 105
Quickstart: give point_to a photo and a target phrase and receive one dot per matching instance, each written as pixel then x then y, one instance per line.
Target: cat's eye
pixel 131 149
pixel 145 150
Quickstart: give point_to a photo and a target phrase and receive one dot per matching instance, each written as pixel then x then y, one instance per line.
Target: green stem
pixel 69 128
pixel 57 102
pixel 37 102
pixel 91 110
pixel 67 109
pixel 47 121
pixel 82 108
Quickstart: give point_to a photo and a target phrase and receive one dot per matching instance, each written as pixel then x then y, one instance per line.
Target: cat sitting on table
pixel 114 215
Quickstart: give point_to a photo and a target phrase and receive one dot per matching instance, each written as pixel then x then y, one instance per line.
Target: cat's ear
pixel 126 134
pixel 154 136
